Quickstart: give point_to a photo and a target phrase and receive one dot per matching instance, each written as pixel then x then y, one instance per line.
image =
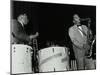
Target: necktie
pixel 81 30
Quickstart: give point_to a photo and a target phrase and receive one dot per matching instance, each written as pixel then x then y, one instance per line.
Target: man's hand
pixel 37 34
pixel 86 46
pixel 34 36
pixel 31 37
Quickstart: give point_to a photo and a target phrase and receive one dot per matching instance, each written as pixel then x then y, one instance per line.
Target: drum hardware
pixel 14 48
pixel 73 65
pixel 54 69
pixel 68 50
pixel 35 47
pixel 14 51
pixel 53 50
pixel 35 59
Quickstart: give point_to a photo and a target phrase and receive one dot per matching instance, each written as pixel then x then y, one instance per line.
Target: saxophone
pixel 90 52
pixel 89 41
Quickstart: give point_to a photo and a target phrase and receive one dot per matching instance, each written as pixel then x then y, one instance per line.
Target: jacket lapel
pixel 77 32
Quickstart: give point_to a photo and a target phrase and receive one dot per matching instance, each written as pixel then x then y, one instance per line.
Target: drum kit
pixel 49 59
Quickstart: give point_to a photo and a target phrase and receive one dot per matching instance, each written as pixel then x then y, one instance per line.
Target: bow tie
pixel 79 25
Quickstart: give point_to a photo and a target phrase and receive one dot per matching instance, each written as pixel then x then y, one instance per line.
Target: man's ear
pixel 73 21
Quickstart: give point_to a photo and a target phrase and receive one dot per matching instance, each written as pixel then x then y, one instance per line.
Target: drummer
pixel 18 34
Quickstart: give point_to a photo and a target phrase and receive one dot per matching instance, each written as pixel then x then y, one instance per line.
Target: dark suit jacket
pixel 18 34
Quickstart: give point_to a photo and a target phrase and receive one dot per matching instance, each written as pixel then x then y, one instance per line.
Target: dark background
pixel 52 20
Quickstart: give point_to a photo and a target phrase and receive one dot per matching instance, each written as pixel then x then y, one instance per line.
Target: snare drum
pixel 21 59
pixel 53 59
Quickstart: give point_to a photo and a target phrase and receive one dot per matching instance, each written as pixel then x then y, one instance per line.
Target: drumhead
pixel 53 59
pixel 21 59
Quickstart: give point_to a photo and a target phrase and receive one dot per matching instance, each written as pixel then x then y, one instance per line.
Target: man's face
pixel 76 18
pixel 25 19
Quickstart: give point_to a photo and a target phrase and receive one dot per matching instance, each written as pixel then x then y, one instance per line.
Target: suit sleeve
pixel 74 39
pixel 19 33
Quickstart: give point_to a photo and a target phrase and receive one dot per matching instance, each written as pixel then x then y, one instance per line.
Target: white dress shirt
pixel 80 30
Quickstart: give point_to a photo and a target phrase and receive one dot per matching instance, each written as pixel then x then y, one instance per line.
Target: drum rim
pixel 52 47
pixel 21 45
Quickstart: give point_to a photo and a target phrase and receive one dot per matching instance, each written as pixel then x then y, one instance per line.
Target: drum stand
pixel 35 49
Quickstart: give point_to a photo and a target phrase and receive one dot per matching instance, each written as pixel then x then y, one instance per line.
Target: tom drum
pixel 53 59
pixel 21 59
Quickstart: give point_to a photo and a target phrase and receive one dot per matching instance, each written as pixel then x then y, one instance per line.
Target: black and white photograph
pixel 52 37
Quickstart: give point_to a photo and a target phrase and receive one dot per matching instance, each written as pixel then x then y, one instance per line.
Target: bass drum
pixel 21 59
pixel 53 59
